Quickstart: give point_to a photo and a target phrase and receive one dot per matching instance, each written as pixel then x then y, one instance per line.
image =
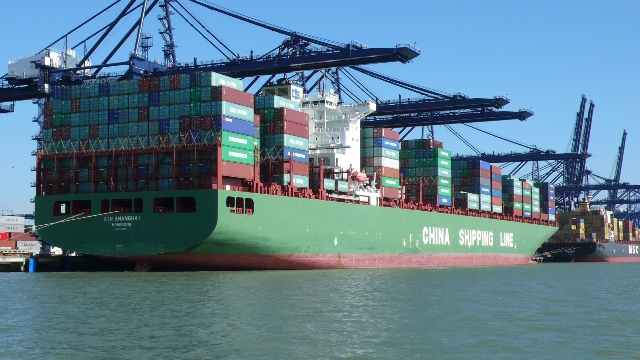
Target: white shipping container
pixel 11 220
pixel 386 162
pixel 31 245
pixel 12 228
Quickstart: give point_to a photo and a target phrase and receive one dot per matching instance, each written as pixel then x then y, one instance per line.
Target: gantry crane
pixel 297 54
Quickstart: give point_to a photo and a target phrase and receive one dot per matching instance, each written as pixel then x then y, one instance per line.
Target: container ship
pixel 189 172
pixel 591 235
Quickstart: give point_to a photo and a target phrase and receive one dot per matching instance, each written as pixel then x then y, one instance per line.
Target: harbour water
pixel 541 311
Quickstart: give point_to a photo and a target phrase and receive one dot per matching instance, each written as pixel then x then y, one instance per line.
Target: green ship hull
pixel 224 229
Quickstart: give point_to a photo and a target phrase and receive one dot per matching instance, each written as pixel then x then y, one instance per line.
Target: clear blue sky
pixel 543 55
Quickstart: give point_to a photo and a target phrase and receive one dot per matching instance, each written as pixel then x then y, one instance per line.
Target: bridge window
pixel 61 208
pixel 121 205
pixel 231 202
pixel 185 204
pixel 81 207
pixel 163 205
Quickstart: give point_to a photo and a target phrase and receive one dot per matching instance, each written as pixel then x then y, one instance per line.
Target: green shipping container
pixel 383 152
pixel 437 171
pixel 329 184
pixel 467 196
pixel 342 186
pixel 237 140
pixel 473 205
pixel 232 110
pixel 273 101
pixel 237 155
pixel 393 183
pixel 298 180
pixel 294 142
pixel 485 206
pixel 214 79
pixel 497 209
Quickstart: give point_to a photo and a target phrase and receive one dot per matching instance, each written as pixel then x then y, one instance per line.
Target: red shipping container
pixel 386 133
pixel 143 113
pixel 514 198
pixel 387 172
pixel 526 199
pixel 188 123
pixel 496 185
pixel 285 114
pixel 8 245
pixel 390 193
pixel 234 170
pixel 75 105
pixel 277 167
pixel 544 216
pixel 510 211
pixel 144 85
pixel 223 93
pixel 496 201
pixel 526 185
pixel 484 173
pixel 496 169
pixel 5 236
pixel 174 82
pixel 256 120
pixel 205 122
pixel 291 128
pixel 536 215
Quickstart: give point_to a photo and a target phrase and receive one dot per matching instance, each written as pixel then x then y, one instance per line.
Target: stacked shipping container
pixel 593 224
pixel 380 157
pixel 426 161
pixel 512 195
pixel 284 136
pixel 154 133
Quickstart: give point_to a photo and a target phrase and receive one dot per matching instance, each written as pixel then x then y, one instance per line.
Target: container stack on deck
pixel 473 180
pixel 380 155
pixel 284 135
pixel 587 224
pixel 547 201
pixel 155 133
pixel 526 198
pixel 512 195
pixel 426 161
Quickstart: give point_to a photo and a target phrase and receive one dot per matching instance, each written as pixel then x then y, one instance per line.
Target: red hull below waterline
pixel 172 262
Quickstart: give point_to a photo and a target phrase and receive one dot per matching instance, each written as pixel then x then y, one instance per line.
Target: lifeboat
pixel 358 176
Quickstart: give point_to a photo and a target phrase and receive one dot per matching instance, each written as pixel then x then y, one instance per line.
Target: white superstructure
pixel 334 129
pixel 25 68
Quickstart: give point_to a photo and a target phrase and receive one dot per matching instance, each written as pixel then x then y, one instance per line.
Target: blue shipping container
pixel 387 143
pixel 221 122
pixel 285 152
pixel 444 200
pixel 496 193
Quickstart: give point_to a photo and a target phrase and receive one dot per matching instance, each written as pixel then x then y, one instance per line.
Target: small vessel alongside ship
pixel 591 235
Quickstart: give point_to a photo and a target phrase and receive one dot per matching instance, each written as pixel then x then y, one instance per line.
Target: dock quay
pixel 25 261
